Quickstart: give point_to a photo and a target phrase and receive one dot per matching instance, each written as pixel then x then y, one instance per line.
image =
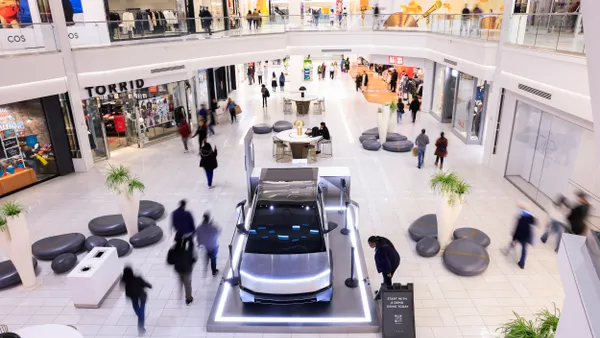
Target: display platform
pixel 351 310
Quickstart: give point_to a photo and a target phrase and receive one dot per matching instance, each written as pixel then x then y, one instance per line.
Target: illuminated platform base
pixel 352 310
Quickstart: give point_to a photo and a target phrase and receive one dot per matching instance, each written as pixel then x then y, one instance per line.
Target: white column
pixel 591 27
pixel 295 77
pixel 86 162
pixel 295 13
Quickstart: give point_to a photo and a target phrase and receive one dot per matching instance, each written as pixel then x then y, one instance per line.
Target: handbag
pixel 415 152
pixel 237 109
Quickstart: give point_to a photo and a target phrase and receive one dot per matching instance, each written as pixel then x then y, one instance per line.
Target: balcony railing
pixel 560 32
pixel 28 38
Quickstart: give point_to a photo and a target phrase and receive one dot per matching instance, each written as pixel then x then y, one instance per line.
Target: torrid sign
pixel 114 88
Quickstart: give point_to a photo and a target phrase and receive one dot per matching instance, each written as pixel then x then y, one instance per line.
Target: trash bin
pixel 93 278
pixel 398 311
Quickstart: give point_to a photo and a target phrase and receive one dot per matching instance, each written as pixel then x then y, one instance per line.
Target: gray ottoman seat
pixel 363 138
pixel 282 125
pixel 52 247
pixel 94 241
pixel 114 225
pixel 371 144
pixel 466 258
pixel 372 132
pixel 474 235
pixel 64 263
pixel 151 209
pixel 398 146
pixel 428 246
pixel 262 128
pixel 123 248
pixel 9 275
pixel 423 226
pixel 393 137
pixel 148 236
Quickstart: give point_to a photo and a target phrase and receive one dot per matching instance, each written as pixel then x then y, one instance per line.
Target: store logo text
pixel 115 88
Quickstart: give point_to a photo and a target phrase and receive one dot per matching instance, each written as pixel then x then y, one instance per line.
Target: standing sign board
pixel 398 311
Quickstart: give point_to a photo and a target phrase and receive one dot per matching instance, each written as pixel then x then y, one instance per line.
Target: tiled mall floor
pixel 392 192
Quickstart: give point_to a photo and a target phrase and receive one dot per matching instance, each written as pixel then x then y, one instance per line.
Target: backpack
pixel 266 93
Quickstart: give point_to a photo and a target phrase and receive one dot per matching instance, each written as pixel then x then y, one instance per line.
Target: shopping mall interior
pixel 353 169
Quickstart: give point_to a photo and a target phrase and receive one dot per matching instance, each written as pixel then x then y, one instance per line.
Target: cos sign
pixel 114 88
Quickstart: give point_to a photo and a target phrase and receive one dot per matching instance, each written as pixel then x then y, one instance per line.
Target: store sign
pixel 398 311
pixel 114 88
pixel 396 60
pixel 19 38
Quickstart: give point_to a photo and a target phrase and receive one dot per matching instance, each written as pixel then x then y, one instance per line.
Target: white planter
pixel 15 242
pixel 382 125
pixel 129 205
pixel 448 216
pixel 391 122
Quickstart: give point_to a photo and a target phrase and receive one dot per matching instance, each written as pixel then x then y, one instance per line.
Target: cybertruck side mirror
pixel 330 227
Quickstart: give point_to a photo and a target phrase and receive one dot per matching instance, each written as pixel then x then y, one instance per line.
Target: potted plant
pixel 128 188
pixel 393 108
pixel 382 124
pixel 453 189
pixel 543 326
pixel 15 241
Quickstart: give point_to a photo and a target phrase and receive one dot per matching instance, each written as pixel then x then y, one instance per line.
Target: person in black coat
pixel 414 107
pixel 201 132
pixel 387 258
pixel 135 289
pixel 393 80
pixel 578 214
pixel 522 234
pixel 181 256
pixel 208 161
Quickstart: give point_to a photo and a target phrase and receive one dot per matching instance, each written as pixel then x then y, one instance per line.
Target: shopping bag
pixel 415 152
pixel 238 109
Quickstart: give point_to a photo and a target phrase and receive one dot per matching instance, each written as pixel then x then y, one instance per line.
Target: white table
pixel 302 103
pixel 298 143
pixel 48 330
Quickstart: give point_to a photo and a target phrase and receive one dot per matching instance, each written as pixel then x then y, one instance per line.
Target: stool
pixel 312 152
pixel 287 106
pixel 281 152
pixel 326 148
pixel 321 100
pixel 317 107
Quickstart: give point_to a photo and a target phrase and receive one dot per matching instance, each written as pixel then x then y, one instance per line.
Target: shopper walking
pixel 421 143
pixel 415 106
pixel 393 80
pixel 250 75
pixel 466 16
pixel 441 150
pixel 399 110
pixel 231 109
pixel 376 22
pixel 387 259
pixel 259 73
pixel 523 234
pixel 557 221
pixel 249 19
pixel 135 290
pixel 578 214
pixel 208 161
pixel 201 132
pixel 184 132
pixel 265 94
pixel 182 221
pixel 181 256
pixel 331 69
pixel 207 236
pixel 281 81
pixel 274 82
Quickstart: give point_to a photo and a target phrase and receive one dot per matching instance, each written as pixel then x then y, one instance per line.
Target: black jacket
pixel 415 106
pixel 201 132
pixel 577 218
pixel 135 287
pixel 181 256
pixel 325 133
pixel 523 232
pixel 387 259
pixel 208 158
pixel 400 106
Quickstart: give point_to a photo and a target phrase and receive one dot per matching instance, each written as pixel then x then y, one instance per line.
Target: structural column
pixel 591 27
pixel 86 162
pixel 295 12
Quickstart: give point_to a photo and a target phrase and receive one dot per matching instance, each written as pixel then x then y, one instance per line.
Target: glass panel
pixel 522 145
pixel 540 149
pixel 70 126
pixel 95 129
pixel 464 103
pixel 438 89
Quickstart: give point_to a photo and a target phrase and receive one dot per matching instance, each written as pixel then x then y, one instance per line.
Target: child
pixel 557 221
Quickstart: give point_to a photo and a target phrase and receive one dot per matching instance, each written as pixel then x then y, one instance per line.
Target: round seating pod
pixel 371 145
pixel 262 128
pixel 428 247
pixel 393 137
pixel 472 234
pixel 398 146
pixel 64 263
pixel 94 241
pixel 52 247
pixel 151 209
pixel 372 132
pixel 363 138
pixel 466 258
pixel 282 125
pixel 423 226
pixel 9 275
pixel 146 237
pixel 114 225
pixel 123 248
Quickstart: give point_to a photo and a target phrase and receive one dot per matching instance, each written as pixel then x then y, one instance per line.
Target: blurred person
pixel 259 19
pixel 135 290
pixel 274 82
pixel 207 236
pixel 181 256
pixel 557 221
pixel 249 19
pixel 522 234
pixel 182 221
pixel 201 132
pixel 578 214
pixel 399 110
pixel 203 112
pixel 387 259
pixel 331 69
pixel 231 109
pixel 316 13
pixel 332 18
pixel 208 161
pixel 465 17
pixel 393 80
pixel 184 132
pixel 415 106
pixel 376 22
pixel 441 150
pixel 421 143
pixel 265 94
pixel 259 72
pixel 281 81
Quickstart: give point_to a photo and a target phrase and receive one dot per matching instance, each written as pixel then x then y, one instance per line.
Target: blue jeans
pixel 523 254
pixel 420 156
pixel 556 227
pixel 209 176
pixel 399 116
pixel 211 257
pixel 211 129
pixel 139 307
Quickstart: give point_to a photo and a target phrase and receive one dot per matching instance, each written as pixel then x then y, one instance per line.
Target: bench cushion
pixel 148 236
pixel 114 225
pixel 64 263
pixel 52 247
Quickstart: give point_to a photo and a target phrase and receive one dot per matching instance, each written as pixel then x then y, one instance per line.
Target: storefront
pixel 460 99
pixel 130 113
pixel 37 142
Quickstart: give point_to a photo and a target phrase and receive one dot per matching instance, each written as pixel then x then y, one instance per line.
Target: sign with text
pixel 398 311
pixel 396 60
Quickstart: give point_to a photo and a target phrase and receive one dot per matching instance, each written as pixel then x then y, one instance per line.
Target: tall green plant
pixel 119 179
pixel 548 322
pixel 11 209
pixel 448 183
pixel 393 106
pixel 519 328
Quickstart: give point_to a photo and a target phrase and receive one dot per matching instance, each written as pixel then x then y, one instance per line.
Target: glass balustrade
pixel 28 38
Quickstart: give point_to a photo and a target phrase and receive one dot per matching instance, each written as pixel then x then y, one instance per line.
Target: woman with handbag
pixel 399 110
pixel 441 150
pixel 231 109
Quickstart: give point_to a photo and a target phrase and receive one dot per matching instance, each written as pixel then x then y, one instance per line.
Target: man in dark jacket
pixel 214 105
pixel 393 80
pixel 182 221
pixel 265 94
pixel 181 256
pixel 135 290
pixel 207 236
pixel 523 234
pixel 414 107
pixel 578 214
pixel 387 258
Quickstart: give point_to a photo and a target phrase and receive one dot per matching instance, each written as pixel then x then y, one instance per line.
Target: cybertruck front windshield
pixel 285 229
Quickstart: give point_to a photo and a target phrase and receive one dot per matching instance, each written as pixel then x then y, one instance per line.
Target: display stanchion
pixel 233 281
pixel 342 193
pixel 351 282
pixel 345 230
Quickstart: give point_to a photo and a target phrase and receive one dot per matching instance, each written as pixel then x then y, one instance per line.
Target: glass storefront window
pixel 464 103
pixel 69 126
pixel 438 89
pixel 478 110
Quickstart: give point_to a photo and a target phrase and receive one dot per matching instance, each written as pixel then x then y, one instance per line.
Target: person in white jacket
pixel 259 73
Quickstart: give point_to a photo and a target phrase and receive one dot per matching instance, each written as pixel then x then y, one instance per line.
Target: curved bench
pixel 423 226
pixel 363 138
pixel 148 236
pixel 52 247
pixel 428 247
pixel 372 132
pixel 473 234
pixel 114 225
pixel 9 275
pixel 282 125
pixel 371 144
pixel 123 247
pixel 466 258
pixel 94 241
pixel 64 263
pixel 394 137
pixel 398 146
pixel 151 209
pixel 262 128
